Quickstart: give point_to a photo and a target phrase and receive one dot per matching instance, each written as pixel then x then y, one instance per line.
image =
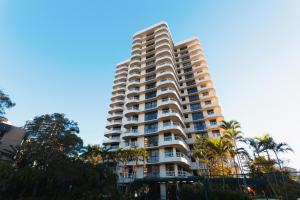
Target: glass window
pixel 189 76
pixel 197 115
pixel 148 78
pixel 151 104
pixel 192 90
pixel 194 98
pixel 187 70
pixel 150 95
pixel 193 82
pixel 151 116
pixel 195 106
pixel 150 86
pixel 150 70
pixel 199 126
pixel 150 128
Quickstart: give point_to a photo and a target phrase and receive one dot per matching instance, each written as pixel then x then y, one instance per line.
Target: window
pixel 199 126
pixel 186 64
pixel 169 152
pixel 150 95
pixel 189 83
pixel 150 128
pixel 189 135
pixel 213 122
pixel 192 90
pixel 187 125
pixel 186 115
pixel 189 76
pixel 207 102
pixel 165 110
pixel 193 98
pixel 187 70
pixel 167 136
pixel 150 86
pixel 183 48
pixel 182 91
pixel 195 106
pixel 183 99
pixel 198 115
pixel 150 62
pixel 184 107
pixel 185 58
pixel 151 116
pixel 153 156
pixel 205 94
pixel 151 104
pixel 210 112
pixel 148 78
pixel 150 70
pixel 166 123
pixel 152 141
pixel 216 133
pixel 203 86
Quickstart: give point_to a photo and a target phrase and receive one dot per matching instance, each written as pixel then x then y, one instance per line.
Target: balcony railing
pixel 153 159
pixel 170 173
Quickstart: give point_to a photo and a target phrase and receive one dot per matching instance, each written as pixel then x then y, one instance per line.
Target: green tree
pixel 5 103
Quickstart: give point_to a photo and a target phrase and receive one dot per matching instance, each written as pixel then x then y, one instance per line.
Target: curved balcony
pixel 162 28
pixel 163 39
pixel 136 44
pixel 135 61
pixel 209 106
pixel 162 51
pixel 130 134
pixel 210 126
pixel 116 108
pixel 111 141
pixel 131 110
pixel 112 132
pixel 177 158
pixel 162 34
pixel 116 102
pixel 115 115
pixel 163 45
pixel 133 83
pixel 133 74
pixel 131 121
pixel 132 91
pixel 165 59
pixel 213 115
pixel 132 100
pixel 174 141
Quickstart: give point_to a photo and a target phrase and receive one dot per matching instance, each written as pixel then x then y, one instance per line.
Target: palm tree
pixel 203 154
pixel 280 148
pixel 220 148
pixel 255 145
pixel 93 154
pixel 233 134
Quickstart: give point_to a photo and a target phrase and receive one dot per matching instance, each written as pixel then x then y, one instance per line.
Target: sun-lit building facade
pixel 162 98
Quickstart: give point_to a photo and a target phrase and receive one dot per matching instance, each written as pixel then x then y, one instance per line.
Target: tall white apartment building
pixel 162 98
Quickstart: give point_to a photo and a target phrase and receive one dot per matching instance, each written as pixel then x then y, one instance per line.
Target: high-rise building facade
pixel 162 98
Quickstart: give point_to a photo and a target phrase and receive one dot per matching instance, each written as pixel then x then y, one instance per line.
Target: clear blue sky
pixel 59 56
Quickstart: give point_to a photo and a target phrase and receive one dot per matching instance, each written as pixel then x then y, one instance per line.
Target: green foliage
pixel 5 102
pixel 49 165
